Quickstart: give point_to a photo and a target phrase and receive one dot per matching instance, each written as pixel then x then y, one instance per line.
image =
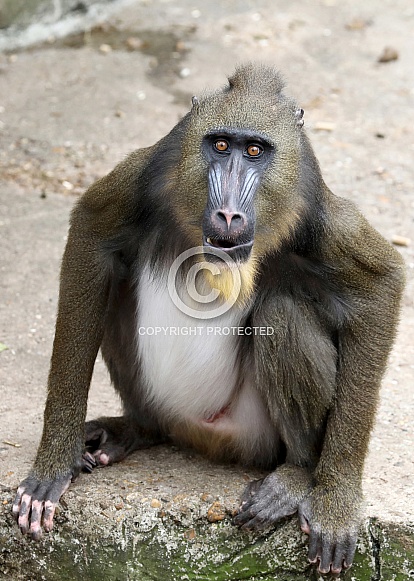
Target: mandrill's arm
pixel 372 272
pixel 87 271
pixel 79 329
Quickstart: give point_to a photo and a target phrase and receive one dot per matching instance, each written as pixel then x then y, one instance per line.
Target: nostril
pixel 236 220
pixel 231 219
pixel 222 217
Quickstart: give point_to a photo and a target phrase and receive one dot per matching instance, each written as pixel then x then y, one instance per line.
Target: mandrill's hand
pixel 330 516
pixel 266 501
pixel 35 503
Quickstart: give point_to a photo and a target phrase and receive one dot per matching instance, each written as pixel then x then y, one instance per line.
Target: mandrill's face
pixel 237 160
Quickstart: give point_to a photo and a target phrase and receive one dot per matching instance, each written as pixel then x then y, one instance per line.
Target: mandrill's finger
pixel 326 556
pixel 350 551
pixel 257 523
pixel 244 516
pixel 36 519
pixel 88 462
pixel 24 510
pixel 17 502
pixel 338 560
pixel 303 521
pixel 48 514
pixel 315 547
pixel 344 553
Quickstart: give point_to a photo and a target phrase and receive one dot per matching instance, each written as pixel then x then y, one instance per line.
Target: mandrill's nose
pixel 229 223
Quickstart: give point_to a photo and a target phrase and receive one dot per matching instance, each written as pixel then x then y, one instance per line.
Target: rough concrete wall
pixel 21 13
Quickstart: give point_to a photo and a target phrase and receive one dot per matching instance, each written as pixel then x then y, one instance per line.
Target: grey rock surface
pixel 69 111
pixel 21 13
pixel 25 22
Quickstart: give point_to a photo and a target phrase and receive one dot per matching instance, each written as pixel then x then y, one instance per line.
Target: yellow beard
pixel 226 281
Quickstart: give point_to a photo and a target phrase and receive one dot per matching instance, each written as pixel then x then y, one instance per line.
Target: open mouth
pixel 225 244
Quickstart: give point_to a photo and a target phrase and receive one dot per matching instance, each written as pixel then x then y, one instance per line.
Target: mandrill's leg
pixel 110 440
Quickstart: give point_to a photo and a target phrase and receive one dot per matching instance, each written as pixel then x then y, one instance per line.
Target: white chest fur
pixel 190 366
pixel 192 372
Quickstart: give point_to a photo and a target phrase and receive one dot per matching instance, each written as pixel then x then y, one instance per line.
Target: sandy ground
pixel 71 109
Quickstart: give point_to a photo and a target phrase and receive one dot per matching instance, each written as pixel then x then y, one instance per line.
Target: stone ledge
pixel 165 514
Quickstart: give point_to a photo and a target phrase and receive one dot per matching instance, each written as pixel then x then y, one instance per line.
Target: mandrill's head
pixel 242 165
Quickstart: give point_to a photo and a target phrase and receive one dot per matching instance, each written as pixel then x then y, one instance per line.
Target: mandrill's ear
pixel 195 103
pixel 299 117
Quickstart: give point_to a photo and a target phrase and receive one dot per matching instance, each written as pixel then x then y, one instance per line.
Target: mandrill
pixel 225 223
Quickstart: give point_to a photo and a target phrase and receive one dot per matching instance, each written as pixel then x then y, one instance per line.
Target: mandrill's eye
pixel 254 150
pixel 221 145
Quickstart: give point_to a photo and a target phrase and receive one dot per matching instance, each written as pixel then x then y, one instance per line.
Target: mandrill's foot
pixel 267 501
pixel 110 440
